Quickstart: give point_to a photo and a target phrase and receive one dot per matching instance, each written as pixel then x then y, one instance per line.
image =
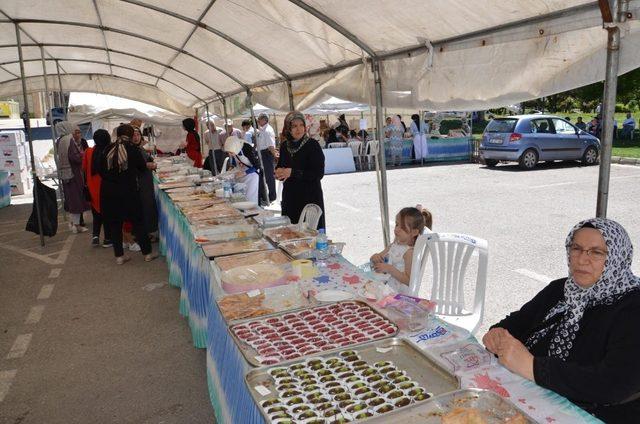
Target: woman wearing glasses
pixel 579 336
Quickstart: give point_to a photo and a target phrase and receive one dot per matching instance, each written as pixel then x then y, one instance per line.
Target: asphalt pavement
pixel 83 340
pixel 524 215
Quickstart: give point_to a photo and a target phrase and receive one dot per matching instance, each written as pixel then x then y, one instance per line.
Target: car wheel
pixel 529 159
pixel 490 162
pixel 590 156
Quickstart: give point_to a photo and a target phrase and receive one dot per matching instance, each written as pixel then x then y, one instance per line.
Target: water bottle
pixel 227 189
pixel 322 247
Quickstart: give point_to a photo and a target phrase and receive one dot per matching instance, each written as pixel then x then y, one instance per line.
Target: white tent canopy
pixel 435 55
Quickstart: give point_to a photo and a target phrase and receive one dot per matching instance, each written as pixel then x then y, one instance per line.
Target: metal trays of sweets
pixel 266 385
pixel 493 408
pixel 380 323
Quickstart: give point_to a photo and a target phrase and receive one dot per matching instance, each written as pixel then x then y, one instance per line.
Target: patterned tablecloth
pixel 193 273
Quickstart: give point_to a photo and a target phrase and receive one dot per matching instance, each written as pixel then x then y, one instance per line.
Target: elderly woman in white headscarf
pixel 70 152
pixel 247 165
pixel 579 336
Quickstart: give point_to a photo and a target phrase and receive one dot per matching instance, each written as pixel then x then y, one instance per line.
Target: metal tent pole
pixel 63 104
pixel 27 128
pixel 611 21
pixel 212 156
pixel 290 92
pixel 226 117
pixel 381 167
pixel 254 124
pixel 53 133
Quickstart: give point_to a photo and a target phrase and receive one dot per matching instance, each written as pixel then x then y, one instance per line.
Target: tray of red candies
pixel 292 335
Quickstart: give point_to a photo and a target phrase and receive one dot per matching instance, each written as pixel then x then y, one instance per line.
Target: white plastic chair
pixel 337 144
pixel 225 163
pixel 310 216
pixel 356 150
pixel 450 254
pixel 371 151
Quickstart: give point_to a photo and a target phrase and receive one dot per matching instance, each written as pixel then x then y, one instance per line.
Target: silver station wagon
pixel 527 139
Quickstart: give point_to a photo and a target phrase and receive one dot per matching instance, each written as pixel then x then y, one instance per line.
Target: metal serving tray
pixel 252 356
pixel 494 407
pixel 404 355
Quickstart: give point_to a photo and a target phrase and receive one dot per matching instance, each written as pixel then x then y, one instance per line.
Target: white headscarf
pixel 616 281
pixel 65 130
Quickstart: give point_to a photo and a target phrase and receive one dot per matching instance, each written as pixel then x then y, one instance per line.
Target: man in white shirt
pixel 214 147
pixel 266 146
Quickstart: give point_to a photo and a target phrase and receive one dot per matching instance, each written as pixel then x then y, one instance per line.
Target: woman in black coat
pixel 579 336
pixel 301 167
pixel 120 199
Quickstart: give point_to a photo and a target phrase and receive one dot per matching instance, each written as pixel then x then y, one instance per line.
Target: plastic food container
pixel 408 316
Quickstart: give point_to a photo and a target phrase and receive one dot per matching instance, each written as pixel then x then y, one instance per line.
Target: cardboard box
pixel 23 175
pixel 21 187
pixel 13 138
pixel 14 164
pixel 9 151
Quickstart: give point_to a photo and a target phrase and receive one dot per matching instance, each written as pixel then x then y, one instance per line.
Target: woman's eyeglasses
pixel 595 254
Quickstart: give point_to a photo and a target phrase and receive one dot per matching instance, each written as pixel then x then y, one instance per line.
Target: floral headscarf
pixel 616 281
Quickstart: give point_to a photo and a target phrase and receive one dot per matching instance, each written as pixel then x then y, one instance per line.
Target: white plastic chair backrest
pixel 337 144
pixel 373 146
pixel 356 148
pixel 310 216
pixel 225 163
pixel 450 254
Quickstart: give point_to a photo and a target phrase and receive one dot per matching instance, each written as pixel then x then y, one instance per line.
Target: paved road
pixel 525 216
pixel 82 340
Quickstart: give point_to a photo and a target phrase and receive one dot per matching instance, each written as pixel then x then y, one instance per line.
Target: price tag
pixel 262 390
pixel 253 293
pixel 384 349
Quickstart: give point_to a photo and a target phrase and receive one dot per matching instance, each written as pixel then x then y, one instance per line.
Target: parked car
pixel 58 115
pixel 527 139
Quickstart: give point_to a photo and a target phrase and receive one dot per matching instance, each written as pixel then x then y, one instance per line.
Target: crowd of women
pixel 114 180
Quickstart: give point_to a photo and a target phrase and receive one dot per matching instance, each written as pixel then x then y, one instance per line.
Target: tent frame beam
pixel 220 34
pixel 100 62
pixel 133 35
pixel 612 15
pixel 110 76
pixel 124 53
pixel 27 129
pixel 104 36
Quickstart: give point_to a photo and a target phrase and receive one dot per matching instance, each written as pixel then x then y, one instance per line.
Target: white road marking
pixel 65 250
pixel 555 184
pixel 20 346
pixel 55 272
pixel 62 255
pixel 6 378
pixel 349 207
pixel 533 275
pixel 35 314
pixel 45 291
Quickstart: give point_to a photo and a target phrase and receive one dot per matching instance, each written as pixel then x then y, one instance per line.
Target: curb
pixel 625 161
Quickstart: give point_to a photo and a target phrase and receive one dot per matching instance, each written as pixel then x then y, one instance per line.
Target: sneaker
pixel 150 257
pixel 81 228
pixel 73 228
pixel 95 241
pixel 134 247
pixel 120 260
pixel 107 244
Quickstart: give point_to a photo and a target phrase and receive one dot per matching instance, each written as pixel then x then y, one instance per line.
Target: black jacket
pixel 602 372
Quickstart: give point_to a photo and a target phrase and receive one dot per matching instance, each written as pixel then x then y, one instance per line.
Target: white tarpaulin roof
pixel 437 55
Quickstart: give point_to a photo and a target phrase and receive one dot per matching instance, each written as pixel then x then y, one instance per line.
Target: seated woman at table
pixel 579 336
pixel 301 168
pixel 396 259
